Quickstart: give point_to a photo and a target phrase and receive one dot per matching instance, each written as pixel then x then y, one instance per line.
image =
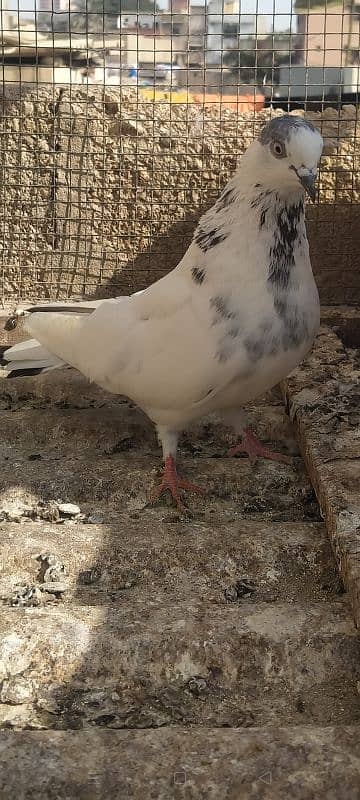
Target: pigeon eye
pixel 278 149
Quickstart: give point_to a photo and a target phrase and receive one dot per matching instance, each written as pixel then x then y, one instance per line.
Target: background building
pixel 328 37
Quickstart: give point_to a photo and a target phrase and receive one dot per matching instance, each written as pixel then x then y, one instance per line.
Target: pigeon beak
pixel 308 183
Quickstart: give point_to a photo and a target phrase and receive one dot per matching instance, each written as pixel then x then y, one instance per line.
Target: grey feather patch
pixel 227 345
pixel 295 329
pixel 233 331
pixel 221 306
pixel 223 355
pixel 268 339
pixel 206 239
pixel 263 341
pixel 255 345
pixel 280 129
pixel 198 275
pixel 230 328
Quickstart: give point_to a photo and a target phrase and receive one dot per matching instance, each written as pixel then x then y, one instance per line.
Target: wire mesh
pixel 121 122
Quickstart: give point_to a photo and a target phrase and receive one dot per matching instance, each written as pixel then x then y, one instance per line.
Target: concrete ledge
pixel 196 764
pixel 323 399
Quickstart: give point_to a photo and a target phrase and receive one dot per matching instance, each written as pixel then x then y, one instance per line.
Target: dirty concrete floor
pixel 118 615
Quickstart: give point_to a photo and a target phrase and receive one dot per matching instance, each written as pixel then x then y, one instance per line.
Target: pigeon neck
pixel 276 198
pixel 272 210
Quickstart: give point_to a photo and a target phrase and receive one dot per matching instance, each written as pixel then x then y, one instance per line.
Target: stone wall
pixel 100 192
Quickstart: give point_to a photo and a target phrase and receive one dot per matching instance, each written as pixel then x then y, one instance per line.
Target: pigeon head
pixel 287 153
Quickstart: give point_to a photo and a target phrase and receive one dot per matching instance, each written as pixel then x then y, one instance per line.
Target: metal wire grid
pixel 103 177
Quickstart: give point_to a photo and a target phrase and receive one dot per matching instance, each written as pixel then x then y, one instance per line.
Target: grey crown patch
pixel 281 128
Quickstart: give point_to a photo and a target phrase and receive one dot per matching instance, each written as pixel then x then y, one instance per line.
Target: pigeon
pixel 235 317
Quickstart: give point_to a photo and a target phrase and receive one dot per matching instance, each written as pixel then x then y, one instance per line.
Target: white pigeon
pixel 236 315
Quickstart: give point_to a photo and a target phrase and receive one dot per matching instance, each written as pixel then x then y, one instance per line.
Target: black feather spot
pixel 263 217
pixel 61 310
pixel 258 200
pixel 25 373
pixel 263 202
pixel 3 349
pixel 198 275
pixel 204 396
pixel 208 239
pixel 226 198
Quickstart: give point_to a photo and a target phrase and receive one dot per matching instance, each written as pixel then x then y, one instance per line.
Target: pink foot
pixel 251 445
pixel 171 481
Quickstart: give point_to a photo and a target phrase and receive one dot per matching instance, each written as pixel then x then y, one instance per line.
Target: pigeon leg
pixel 251 445
pixel 172 483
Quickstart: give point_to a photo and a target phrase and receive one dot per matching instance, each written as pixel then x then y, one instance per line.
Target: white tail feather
pixel 28 356
pixel 28 350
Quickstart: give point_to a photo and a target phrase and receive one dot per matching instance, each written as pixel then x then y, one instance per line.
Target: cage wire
pixel 122 121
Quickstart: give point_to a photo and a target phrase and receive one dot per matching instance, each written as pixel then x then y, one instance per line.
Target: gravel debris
pixel 69 510
pixel 26 596
pixel 16 690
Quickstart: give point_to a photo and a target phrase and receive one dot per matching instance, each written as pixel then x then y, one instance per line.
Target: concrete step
pixel 84 458
pixel 122 482
pixel 66 396
pixel 129 663
pixel 302 763
pixel 106 425
pixel 168 558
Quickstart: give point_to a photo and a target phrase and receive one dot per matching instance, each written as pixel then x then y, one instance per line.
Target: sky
pixel 279 9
